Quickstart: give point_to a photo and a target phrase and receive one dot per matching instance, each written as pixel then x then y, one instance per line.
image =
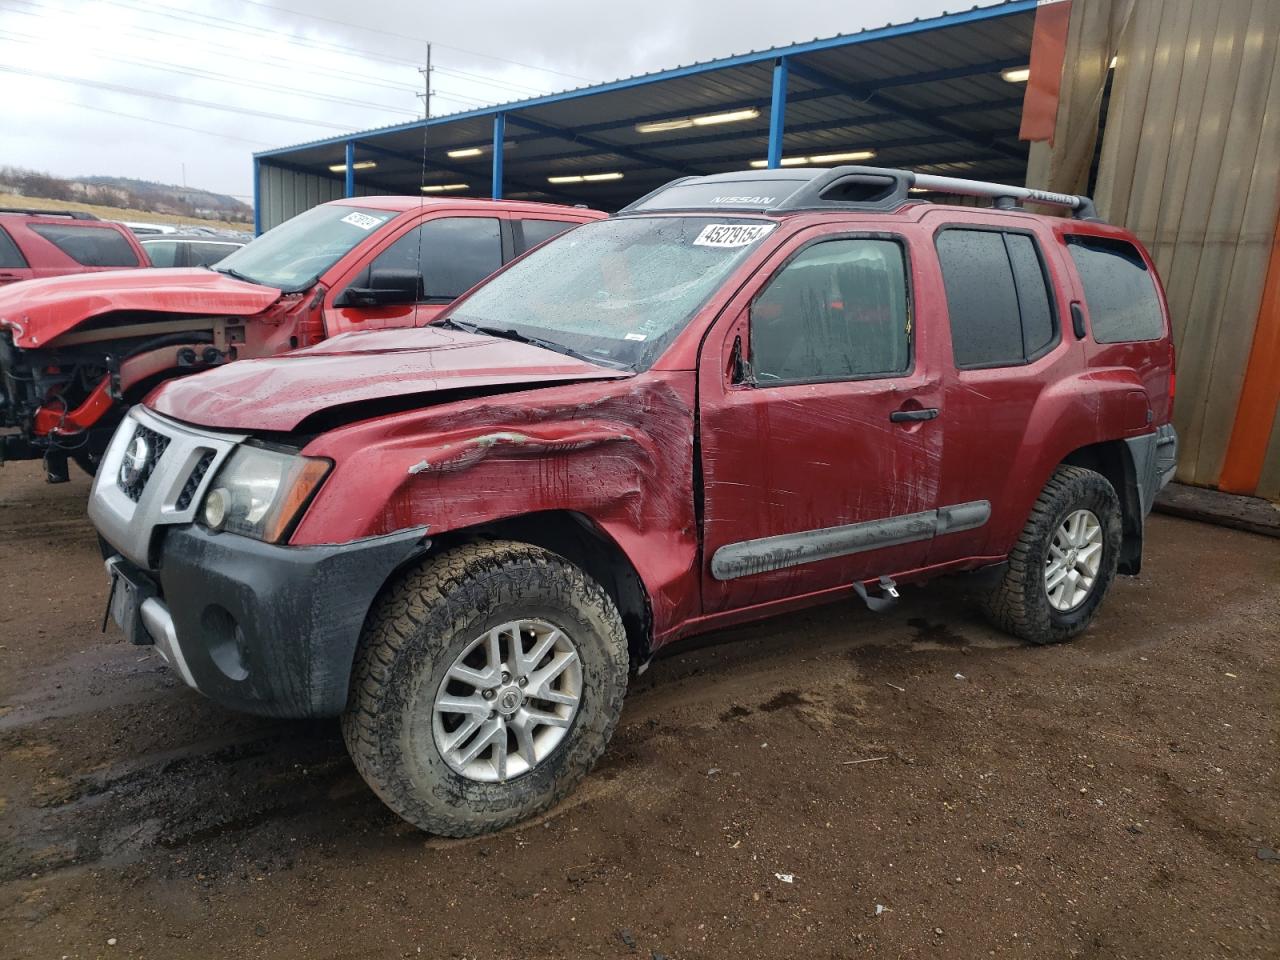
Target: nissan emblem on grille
pixel 134 465
pixel 139 460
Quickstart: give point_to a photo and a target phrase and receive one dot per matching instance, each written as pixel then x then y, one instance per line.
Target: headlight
pixel 260 492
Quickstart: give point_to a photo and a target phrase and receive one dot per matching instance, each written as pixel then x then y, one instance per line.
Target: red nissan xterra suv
pixel 743 394
pixel 76 352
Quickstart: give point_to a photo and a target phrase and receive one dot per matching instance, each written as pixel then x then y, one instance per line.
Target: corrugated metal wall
pixel 1191 164
pixel 285 193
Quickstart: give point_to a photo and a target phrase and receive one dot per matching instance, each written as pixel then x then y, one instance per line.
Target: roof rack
pixel 867 188
pixel 71 214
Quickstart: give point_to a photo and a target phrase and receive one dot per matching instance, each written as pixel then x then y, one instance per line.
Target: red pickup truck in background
pixel 48 243
pixel 77 351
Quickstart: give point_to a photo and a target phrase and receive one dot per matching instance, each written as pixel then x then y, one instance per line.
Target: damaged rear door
pixel 818 434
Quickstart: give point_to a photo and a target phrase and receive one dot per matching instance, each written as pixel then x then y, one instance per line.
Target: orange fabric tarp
pixel 1048 50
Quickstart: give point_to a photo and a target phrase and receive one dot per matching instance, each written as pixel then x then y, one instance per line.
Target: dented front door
pixel 819 438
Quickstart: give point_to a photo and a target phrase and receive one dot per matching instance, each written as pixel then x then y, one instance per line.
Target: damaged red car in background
pixel 76 352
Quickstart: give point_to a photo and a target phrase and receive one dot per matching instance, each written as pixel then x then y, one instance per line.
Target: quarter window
pixel 997 297
pixel 10 256
pixel 1118 288
pixel 452 255
pixel 838 311
pixel 89 246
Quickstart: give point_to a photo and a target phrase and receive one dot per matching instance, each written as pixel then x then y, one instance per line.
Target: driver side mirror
pixel 387 286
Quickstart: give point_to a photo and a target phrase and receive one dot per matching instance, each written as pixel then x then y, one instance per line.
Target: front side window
pixel 451 255
pixel 997 297
pixel 616 291
pixel 89 246
pixel 536 231
pixel 206 254
pixel 293 255
pixel 10 256
pixel 1118 288
pixel 837 311
pixel 163 253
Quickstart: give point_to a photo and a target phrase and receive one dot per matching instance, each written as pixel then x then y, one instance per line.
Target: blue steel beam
pixel 257 196
pixel 753 132
pixel 976 15
pixel 869 93
pixel 499 139
pixel 777 112
pixel 602 146
pixel 349 186
pixel 463 172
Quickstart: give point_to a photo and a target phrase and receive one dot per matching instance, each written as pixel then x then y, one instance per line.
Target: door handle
pixel 902 416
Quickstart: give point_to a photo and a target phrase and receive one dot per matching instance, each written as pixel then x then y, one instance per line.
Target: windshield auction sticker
pixel 361 220
pixel 731 234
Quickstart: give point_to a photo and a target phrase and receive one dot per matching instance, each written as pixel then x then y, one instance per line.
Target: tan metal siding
pixel 1189 163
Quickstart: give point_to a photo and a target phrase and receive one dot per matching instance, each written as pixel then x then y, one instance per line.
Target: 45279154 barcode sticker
pixel 361 220
pixel 731 234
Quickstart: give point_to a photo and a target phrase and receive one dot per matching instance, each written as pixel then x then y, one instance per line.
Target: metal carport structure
pixel 928 95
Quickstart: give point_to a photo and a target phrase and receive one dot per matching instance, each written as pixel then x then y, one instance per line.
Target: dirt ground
pixel 832 784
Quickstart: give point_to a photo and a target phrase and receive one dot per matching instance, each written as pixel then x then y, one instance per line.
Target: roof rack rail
pixel 71 214
pixel 868 188
pixel 881 187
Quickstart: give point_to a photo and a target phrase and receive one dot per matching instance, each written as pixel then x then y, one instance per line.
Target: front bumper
pixel 259 627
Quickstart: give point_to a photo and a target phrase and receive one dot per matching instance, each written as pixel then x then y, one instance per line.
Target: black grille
pixel 135 471
pixel 193 482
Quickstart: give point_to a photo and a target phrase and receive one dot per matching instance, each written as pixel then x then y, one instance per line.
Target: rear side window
pixel 162 253
pixel 10 256
pixel 837 311
pixel 89 246
pixel 453 254
pixel 998 297
pixel 1118 288
pixel 536 231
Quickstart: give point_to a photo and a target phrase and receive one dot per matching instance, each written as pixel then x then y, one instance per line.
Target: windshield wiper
pixel 510 333
pixel 232 272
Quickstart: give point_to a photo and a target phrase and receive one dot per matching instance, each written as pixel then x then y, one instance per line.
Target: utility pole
pixel 425 96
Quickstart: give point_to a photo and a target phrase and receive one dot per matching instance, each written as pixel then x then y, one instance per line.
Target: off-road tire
pixel 1019 604
pixel 418 628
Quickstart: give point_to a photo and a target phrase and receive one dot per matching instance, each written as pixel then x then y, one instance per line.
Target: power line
pixel 9 37
pixel 403 36
pixel 134 91
pixel 248 30
pixel 163 123
pixel 226 50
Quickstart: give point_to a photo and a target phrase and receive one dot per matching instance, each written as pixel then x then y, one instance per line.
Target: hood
pixel 37 311
pixel 368 368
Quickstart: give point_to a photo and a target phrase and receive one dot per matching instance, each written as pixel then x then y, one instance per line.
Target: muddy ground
pixel 1117 797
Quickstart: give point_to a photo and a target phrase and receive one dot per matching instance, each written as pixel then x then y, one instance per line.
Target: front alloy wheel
pixel 508 700
pixel 486 684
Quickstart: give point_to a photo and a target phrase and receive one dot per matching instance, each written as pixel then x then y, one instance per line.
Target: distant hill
pixel 126 192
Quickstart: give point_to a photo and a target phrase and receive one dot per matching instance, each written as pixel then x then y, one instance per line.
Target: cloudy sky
pixel 159 89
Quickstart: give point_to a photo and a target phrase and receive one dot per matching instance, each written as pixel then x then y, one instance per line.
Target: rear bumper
pixel 264 628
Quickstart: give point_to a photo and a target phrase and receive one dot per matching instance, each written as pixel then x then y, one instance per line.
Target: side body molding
pixel 750 557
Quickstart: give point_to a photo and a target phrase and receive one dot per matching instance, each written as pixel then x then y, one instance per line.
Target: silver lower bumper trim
pixel 156 618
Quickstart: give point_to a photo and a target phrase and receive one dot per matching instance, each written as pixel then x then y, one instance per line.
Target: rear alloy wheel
pixel 486 685
pixel 1064 560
